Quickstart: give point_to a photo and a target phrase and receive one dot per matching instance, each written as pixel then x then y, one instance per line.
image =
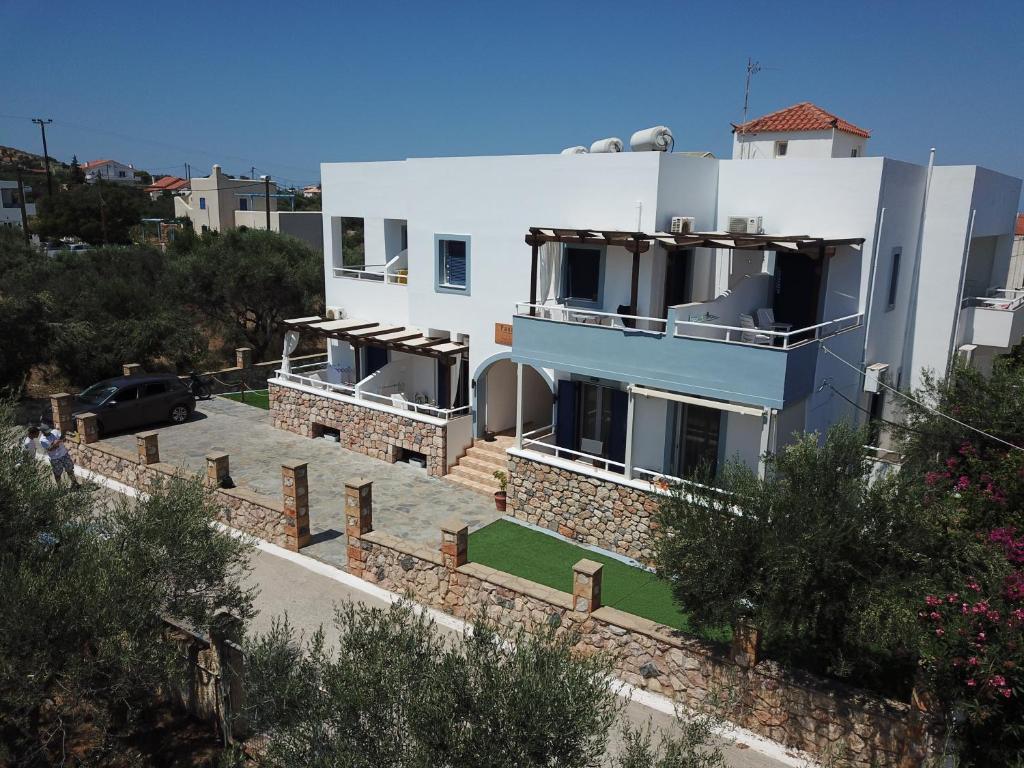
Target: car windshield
pixel 96 394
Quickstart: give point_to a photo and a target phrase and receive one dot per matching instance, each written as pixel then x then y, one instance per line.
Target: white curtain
pixel 549 270
pixel 291 343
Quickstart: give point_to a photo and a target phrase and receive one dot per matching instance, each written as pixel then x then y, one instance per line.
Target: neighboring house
pixel 172 184
pixel 305 225
pixel 109 170
pixel 211 201
pixel 803 130
pixel 313 190
pixel 10 204
pixel 547 299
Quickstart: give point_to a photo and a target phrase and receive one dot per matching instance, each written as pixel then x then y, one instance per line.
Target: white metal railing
pixel 574 315
pixel 598 462
pixel 301 375
pixel 786 339
pixel 375 273
pixel 1009 300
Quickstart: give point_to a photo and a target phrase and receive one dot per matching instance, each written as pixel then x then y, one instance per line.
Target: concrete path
pixel 407 502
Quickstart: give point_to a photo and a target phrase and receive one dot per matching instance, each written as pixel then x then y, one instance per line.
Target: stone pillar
pixel 746 644
pixel 148 446
pixel 243 357
pixel 295 489
pixel 217 469
pixel 586 586
pixel 358 521
pixel 88 427
pixel 60 412
pixel 454 543
pixel 131 369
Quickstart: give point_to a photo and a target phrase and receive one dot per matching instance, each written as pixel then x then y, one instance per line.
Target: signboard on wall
pixel 503 334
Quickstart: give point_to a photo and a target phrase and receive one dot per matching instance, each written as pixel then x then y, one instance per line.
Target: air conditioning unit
pixel 682 225
pixel 874 376
pixel 335 313
pixel 745 225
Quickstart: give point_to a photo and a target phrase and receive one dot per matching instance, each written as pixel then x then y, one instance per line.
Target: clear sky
pixel 286 85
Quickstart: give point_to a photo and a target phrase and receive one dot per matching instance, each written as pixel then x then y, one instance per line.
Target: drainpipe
pixel 912 305
pixel 960 293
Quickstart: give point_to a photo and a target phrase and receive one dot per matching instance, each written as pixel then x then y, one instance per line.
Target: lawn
pixel 546 560
pixel 256 397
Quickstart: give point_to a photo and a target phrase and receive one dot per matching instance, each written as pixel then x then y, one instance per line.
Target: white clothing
pixel 51 442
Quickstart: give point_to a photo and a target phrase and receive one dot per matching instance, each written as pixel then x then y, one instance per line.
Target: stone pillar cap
pixel 85 415
pixel 358 482
pixel 150 433
pixel 293 464
pixel 588 567
pixel 453 525
pixel 216 455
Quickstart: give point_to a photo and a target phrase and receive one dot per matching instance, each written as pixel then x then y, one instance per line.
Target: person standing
pixel 59 456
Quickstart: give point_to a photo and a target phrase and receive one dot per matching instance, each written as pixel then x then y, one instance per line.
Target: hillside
pixel 29 161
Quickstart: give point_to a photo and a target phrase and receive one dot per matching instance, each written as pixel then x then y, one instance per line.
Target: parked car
pixel 127 402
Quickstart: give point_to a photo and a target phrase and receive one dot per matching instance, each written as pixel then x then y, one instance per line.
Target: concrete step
pixel 484 462
pixel 474 475
pixel 483 490
pixel 497 447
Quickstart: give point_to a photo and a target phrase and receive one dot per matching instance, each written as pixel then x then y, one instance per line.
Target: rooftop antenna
pixel 753 67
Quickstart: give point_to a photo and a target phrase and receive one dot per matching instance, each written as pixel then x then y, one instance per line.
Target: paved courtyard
pixel 406 501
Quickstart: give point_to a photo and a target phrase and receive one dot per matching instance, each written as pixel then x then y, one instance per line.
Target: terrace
pixel 996 320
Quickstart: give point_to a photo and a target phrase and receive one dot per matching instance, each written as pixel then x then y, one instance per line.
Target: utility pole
pixel 266 195
pixel 46 155
pixel 21 200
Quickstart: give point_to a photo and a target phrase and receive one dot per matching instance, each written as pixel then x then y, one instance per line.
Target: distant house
pixel 804 130
pixel 170 184
pixel 313 190
pixel 109 170
pixel 211 201
pixel 10 204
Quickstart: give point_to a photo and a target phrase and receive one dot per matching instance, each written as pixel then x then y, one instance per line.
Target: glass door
pixel 595 418
pixel 697 435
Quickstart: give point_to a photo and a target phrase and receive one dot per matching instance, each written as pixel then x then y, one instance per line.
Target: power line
pixel 920 404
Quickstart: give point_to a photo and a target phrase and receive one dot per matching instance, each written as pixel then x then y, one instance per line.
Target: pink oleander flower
pixel 971 683
pixel 952 597
pixel 981 637
pixel 997 681
pixel 963 483
pixel 932 600
pixel 952 461
pixel 973 661
pixel 940 632
pixel 1005 691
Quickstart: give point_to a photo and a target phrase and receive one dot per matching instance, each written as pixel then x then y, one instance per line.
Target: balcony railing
pixel 390 273
pixel 1007 299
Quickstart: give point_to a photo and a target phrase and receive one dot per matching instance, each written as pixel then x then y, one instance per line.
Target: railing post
pixel 586 586
pixel 88 427
pixel 60 411
pixel 358 521
pixel 131 369
pixel 295 491
pixel 217 469
pixel 454 543
pixel 148 446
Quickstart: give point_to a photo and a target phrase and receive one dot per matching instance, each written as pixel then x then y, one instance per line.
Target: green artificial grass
pixel 260 398
pixel 546 560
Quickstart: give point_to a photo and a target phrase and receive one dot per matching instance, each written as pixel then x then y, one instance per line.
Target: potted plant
pixel 500 496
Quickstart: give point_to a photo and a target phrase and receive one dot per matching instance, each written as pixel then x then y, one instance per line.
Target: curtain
pixel 565 425
pixel 291 343
pixel 549 271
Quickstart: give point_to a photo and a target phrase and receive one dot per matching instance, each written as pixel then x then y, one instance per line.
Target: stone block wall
pixel 590 510
pixel 371 431
pixel 801 712
pixel 241 508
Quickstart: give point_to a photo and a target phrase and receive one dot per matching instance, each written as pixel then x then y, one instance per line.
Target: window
pixel 121 174
pixel 581 275
pixel 202 203
pixel 127 394
pixel 154 388
pixel 781 148
pixel 243 204
pixel 855 152
pixel 697 437
pixel 595 417
pixel 353 245
pixel 452 253
pixel 894 277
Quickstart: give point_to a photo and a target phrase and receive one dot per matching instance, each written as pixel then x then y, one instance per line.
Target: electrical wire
pixel 919 404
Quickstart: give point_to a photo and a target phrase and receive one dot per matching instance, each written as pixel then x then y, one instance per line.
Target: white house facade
pixel 211 202
pixel 110 171
pixel 599 325
pixel 10 204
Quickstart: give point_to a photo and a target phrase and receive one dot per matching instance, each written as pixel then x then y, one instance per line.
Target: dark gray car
pixel 128 402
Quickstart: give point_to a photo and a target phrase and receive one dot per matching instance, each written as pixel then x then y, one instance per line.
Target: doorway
pixel 798 278
pixel 678 278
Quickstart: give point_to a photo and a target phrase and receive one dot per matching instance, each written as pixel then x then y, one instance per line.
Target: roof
pixel 1020 225
pixel 396 337
pixel 168 184
pixel 800 117
pixel 639 242
pixel 95 163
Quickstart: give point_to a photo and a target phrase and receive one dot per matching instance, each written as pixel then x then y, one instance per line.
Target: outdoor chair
pixel 749 333
pixel 766 321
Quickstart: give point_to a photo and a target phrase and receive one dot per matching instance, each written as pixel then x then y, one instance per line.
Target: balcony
pixel 993 321
pixel 394 272
pixel 698 349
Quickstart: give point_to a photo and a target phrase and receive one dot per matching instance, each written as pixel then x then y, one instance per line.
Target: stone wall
pixel 375 432
pixel 240 508
pixel 798 711
pixel 590 510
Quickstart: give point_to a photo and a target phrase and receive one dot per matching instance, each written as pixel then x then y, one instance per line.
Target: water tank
pixel 656 139
pixel 612 144
pixel 574 151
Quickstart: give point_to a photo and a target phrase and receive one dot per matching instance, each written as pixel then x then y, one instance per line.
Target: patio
pixel 407 502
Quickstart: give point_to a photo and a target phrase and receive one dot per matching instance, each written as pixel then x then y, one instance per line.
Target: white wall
pixel 801 145
pixel 742 438
pixel 650 422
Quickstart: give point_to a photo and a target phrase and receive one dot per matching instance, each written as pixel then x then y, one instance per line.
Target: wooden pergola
pixel 640 242
pixel 398 338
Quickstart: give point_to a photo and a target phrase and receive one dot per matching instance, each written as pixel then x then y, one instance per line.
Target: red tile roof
pixel 1020 224
pixel 800 117
pixel 167 183
pixel 94 163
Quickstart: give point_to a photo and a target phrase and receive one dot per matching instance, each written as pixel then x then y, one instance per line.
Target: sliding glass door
pixel 696 433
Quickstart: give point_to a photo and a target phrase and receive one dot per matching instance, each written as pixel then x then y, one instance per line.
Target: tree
pixel 816 556
pixel 247 282
pixel 86 581
pixel 97 213
pixel 23 342
pixel 75 174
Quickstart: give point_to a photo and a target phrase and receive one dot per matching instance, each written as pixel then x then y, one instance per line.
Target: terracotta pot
pixel 499 500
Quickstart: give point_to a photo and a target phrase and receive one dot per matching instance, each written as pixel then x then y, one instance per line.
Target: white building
pixel 10 204
pixel 212 201
pixel 546 299
pixel 801 131
pixel 109 170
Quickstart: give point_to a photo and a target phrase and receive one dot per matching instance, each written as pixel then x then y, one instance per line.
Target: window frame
pixel 439 285
pixel 575 301
pixel 243 204
pixel 894 278
pixel 202 203
pixel 782 144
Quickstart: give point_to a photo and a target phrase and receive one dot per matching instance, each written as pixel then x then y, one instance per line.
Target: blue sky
pixel 284 86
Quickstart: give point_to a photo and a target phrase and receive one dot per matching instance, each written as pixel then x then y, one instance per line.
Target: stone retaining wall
pixel 371 431
pixel 241 508
pixel 801 712
pixel 590 510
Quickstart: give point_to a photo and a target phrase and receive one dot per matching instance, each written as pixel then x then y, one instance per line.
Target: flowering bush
pixel 973 654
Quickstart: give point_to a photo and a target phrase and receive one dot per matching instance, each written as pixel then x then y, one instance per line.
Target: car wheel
pixel 179 414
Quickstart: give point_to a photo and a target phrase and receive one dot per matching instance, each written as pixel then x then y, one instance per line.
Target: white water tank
pixel 656 139
pixel 612 144
pixel 574 151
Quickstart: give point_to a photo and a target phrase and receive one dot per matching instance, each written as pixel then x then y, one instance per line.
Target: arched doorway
pixel 495 396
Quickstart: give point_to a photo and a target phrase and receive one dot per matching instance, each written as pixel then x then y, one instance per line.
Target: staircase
pixel 476 469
